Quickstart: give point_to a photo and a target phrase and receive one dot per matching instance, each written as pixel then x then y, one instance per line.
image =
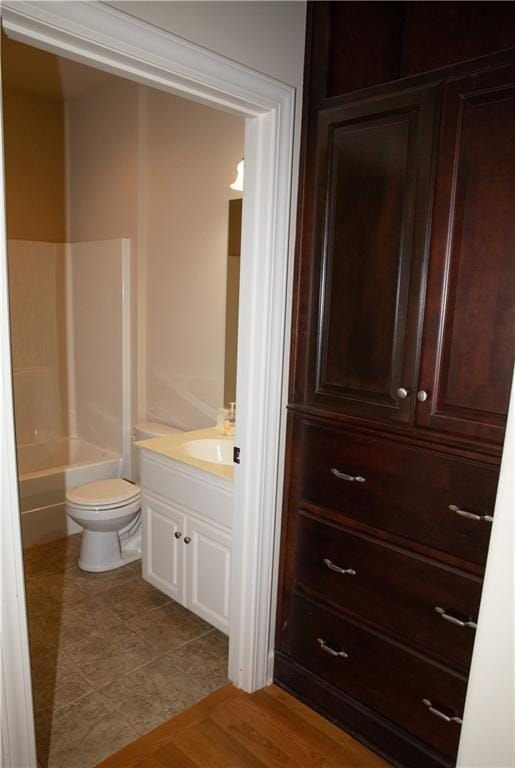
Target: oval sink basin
pixel 217 450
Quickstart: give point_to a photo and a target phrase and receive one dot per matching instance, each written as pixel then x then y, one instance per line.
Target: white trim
pixel 18 744
pixel 105 38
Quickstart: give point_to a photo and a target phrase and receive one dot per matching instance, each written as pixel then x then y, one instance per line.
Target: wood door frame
pixel 106 38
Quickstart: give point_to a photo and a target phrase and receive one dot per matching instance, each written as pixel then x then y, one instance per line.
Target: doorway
pixel 103 37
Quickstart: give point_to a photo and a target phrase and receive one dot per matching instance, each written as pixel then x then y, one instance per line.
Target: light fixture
pixel 238 181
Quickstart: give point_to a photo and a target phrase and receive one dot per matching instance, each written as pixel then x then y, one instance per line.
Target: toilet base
pixel 100 551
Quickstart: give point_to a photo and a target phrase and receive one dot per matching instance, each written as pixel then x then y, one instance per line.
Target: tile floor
pixel 112 657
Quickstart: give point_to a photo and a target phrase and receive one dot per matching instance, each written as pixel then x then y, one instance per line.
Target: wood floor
pixel 232 729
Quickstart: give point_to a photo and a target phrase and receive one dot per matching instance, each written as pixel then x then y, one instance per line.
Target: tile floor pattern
pixel 112 657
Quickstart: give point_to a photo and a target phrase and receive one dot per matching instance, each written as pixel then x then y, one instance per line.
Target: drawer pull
pixel 454 619
pixel 178 534
pixel 440 714
pixel 345 476
pixel 345 571
pixel 471 515
pixel 327 649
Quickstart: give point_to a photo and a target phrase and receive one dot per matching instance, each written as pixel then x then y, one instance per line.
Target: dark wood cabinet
pixel 469 337
pixel 402 356
pixel 373 164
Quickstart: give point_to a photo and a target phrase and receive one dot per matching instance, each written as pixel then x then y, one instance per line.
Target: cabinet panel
pixel 408 491
pixel 163 560
pixel 469 343
pixel 382 675
pixel 396 591
pixel 374 160
pixel 209 573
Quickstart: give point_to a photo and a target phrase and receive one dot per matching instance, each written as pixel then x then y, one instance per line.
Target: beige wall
pixel 192 152
pixel 102 139
pixel 34 166
pixel 156 168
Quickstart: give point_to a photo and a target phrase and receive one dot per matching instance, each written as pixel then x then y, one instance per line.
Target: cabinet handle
pixel 327 649
pixel 422 395
pixel 402 393
pixel 187 539
pixel 454 619
pixel 345 571
pixel 471 515
pixel 440 714
pixel 178 534
pixel 349 478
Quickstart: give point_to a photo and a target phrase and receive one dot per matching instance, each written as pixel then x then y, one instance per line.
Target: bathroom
pixel 118 225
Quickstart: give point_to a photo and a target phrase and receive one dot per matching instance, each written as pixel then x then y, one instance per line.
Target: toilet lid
pixel 104 492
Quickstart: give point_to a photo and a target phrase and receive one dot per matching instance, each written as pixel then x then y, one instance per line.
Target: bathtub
pixel 46 471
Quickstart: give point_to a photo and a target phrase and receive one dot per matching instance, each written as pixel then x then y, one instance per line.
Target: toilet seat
pixel 104 494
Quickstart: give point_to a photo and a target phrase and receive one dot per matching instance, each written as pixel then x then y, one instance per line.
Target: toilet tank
pixel 149 429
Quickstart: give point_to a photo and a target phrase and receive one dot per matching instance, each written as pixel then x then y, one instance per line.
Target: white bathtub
pixel 46 472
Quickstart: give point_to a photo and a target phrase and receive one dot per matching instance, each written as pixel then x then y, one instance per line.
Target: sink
pixel 217 450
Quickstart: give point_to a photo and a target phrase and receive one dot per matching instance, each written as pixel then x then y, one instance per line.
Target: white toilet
pixel 108 510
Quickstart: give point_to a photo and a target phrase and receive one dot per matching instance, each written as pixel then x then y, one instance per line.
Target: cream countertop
pixel 171 447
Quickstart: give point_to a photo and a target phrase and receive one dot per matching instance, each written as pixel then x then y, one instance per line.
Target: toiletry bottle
pixel 230 421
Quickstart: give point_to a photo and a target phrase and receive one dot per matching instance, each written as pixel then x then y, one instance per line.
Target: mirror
pixel 232 301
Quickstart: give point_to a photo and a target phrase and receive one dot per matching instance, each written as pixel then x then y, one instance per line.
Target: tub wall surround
pixel 69 325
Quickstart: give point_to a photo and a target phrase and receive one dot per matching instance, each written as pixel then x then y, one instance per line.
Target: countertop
pixel 171 447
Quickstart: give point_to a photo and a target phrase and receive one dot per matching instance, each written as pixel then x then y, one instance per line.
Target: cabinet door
pixel 373 184
pixel 469 336
pixel 163 547
pixel 208 566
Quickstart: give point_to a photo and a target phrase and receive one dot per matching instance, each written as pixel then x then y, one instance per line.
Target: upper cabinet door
pixel 469 336
pixel 371 194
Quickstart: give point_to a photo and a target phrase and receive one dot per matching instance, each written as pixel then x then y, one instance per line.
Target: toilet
pixel 109 511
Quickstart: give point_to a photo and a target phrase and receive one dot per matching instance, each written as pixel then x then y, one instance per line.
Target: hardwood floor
pixel 232 729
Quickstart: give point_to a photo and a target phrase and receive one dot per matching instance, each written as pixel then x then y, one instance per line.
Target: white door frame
pixel 103 37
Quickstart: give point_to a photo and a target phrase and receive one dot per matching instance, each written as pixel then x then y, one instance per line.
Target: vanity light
pixel 238 181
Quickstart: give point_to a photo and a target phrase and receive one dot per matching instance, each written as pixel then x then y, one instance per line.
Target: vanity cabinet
pixel 403 346
pixel 187 537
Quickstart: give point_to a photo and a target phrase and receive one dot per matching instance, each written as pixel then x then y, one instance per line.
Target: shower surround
pixel 70 332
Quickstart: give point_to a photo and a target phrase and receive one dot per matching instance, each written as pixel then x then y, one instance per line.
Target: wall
pixel 191 153
pixel 34 166
pixel 155 168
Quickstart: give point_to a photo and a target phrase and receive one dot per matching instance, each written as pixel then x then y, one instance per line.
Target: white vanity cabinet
pixel 187 522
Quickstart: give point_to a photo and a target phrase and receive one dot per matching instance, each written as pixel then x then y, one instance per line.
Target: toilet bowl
pixel 103 509
pixel 109 512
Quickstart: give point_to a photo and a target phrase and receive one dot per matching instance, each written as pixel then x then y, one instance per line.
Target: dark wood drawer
pixel 387 678
pixel 394 590
pixel 403 489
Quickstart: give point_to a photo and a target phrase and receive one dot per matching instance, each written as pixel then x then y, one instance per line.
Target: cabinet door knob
pixel 422 395
pixel 178 534
pixel 402 393
pixel 442 715
pixel 187 539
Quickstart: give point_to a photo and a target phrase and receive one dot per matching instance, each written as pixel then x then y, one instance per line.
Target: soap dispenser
pixel 230 421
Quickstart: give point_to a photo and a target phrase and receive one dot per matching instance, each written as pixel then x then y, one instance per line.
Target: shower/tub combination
pixel 70 329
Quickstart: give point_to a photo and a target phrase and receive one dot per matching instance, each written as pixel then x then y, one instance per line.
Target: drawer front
pixel 385 677
pixel 405 490
pixel 396 591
